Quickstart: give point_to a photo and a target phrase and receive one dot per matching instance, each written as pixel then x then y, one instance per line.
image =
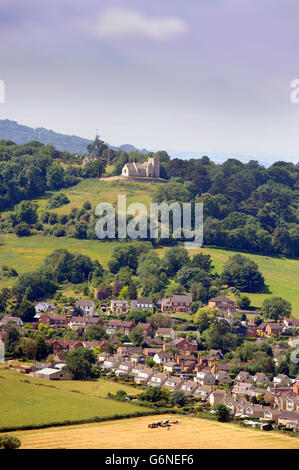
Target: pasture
pixel 133 433
pixel 30 401
pixel 27 253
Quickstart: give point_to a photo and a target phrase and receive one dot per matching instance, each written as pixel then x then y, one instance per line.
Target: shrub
pixel 9 442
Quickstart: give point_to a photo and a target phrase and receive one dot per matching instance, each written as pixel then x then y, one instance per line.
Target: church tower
pixel 154 167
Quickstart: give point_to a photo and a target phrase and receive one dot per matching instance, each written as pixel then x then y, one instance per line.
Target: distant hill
pixel 20 134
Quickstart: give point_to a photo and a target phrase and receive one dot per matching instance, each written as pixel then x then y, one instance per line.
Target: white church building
pixel 149 169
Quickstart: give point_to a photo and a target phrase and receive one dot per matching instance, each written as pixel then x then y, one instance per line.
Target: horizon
pixel 216 157
pixel 214 76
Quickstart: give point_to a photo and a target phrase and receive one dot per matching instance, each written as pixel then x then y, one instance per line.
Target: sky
pixel 206 76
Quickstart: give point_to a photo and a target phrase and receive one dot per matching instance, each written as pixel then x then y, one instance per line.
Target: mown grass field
pixel 34 403
pixel 133 433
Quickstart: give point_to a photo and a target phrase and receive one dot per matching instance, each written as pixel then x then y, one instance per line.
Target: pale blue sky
pixel 192 75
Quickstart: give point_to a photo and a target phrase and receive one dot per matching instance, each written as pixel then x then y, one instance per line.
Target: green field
pixel 96 191
pixel 26 254
pixel 37 404
pixel 281 276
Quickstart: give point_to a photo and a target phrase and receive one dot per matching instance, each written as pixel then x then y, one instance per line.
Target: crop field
pixel 133 433
pixel 30 401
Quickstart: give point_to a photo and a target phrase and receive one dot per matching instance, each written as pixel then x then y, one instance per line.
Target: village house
pixel 7 320
pixel 275 329
pixel 243 376
pixel 136 369
pixel 146 328
pixel 292 403
pixel 124 350
pixel 261 330
pixel 181 358
pixel 44 307
pixel 287 401
pixel 157 380
pixel 119 306
pixel 111 363
pixel 50 373
pixel 91 345
pixel 150 352
pixel 289 419
pixel 173 383
pixel 188 366
pixel 216 353
pixel 203 392
pixel 78 322
pixel 162 357
pixel 251 329
pixel 261 378
pixel 220 367
pixel 216 397
pixel 59 345
pixel 143 375
pixel 291 323
pixel 177 303
pixel 271 414
pixel 124 368
pixel 207 361
pixel 223 304
pixel 222 377
pixel 53 321
pixel 249 409
pixel 231 402
pixel 293 342
pixel 205 377
pixel 282 380
pixel 182 344
pixel 125 327
pixel 152 342
pixel 101 357
pixel 296 386
pixel 145 304
pixel 189 387
pixel 137 358
pixel 165 333
pixel 87 306
pixel 172 367
pixel 243 388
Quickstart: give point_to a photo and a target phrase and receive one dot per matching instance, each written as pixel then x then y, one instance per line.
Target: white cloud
pixel 118 22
